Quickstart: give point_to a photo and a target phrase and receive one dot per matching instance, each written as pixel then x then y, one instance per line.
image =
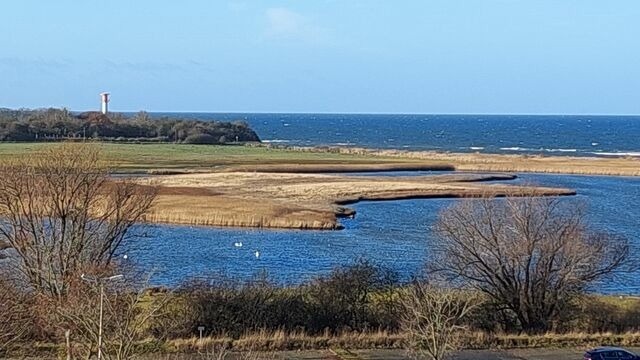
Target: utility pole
pixel 100 282
pixel 67 335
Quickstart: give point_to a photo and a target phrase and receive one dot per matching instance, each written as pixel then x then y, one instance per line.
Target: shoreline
pixel 307 201
pixel 492 162
pixel 308 188
pixel 181 158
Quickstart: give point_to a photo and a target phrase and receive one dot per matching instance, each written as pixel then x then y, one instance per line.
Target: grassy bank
pixel 263 158
pixel 280 341
pixel 270 342
pixel 182 157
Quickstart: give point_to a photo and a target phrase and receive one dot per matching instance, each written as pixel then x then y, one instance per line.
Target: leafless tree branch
pixel 530 254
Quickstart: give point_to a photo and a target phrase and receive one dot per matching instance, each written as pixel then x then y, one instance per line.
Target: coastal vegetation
pixel 306 201
pixel 62 214
pixel 61 124
pixel 537 163
pixel 503 272
pixel 359 306
pixel 180 158
pixel 248 186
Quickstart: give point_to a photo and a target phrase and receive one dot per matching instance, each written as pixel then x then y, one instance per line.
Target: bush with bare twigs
pixel 434 319
pixel 15 316
pixel 531 256
pixel 359 297
pixel 128 309
pixel 61 212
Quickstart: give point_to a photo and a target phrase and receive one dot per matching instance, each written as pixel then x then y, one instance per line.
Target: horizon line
pixel 334 113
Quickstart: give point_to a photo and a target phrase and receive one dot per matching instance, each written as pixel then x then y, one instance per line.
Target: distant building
pixel 105 102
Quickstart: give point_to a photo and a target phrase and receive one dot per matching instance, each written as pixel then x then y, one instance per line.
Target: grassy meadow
pixel 166 157
pixel 146 157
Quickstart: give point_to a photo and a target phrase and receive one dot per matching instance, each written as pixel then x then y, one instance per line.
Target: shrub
pixel 357 297
pixel 201 139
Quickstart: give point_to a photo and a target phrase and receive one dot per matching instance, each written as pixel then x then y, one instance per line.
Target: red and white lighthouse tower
pixel 105 102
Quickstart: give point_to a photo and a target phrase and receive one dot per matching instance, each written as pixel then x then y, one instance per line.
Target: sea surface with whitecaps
pixel 574 135
pixel 397 234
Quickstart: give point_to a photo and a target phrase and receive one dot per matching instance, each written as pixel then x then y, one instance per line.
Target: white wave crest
pixel 621 153
pixel 516 148
pixel 561 150
pixel 344 144
pixel 276 141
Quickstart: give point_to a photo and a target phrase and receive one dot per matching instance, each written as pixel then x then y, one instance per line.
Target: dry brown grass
pixel 264 342
pixel 304 201
pixel 621 166
pixel 341 168
pixel 281 341
pixel 481 340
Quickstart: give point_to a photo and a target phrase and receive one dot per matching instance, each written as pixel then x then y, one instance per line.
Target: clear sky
pixel 370 56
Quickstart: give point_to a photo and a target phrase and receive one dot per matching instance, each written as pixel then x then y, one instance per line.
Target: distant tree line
pixel 61 124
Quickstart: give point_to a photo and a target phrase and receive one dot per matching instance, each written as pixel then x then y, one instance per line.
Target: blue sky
pixel 371 56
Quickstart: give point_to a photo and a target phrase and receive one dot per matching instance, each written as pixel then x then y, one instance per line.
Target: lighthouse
pixel 105 102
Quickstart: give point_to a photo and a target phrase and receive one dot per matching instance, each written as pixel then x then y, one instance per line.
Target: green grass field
pixel 143 157
pixel 127 157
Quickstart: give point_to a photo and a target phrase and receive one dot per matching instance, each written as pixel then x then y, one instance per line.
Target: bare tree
pixel 61 212
pixel 433 320
pixel 531 256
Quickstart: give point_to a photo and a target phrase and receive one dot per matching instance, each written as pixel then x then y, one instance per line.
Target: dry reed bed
pixel 282 341
pixel 615 166
pixel 413 165
pixel 273 341
pixel 305 201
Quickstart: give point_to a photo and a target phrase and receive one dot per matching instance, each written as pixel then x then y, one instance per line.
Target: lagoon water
pixel 395 233
pixel 391 233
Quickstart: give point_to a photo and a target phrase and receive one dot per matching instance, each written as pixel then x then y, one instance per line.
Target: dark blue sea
pixel 397 234
pixel 557 135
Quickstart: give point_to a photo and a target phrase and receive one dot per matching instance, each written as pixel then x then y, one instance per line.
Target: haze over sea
pixel 397 233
